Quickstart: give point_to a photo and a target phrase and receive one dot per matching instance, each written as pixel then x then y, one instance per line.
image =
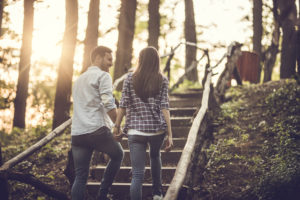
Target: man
pixel 94 110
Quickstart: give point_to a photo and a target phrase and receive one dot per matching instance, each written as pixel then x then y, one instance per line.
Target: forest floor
pixel 256 150
pixel 256 153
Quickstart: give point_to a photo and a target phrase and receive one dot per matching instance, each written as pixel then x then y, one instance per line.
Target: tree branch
pixel 32 180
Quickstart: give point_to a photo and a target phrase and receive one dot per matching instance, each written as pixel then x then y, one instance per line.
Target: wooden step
pixel 185 111
pixel 168 158
pixel 180 131
pixel 181 121
pixel 124 175
pixel 184 102
pixel 178 143
pixel 120 191
pixel 197 93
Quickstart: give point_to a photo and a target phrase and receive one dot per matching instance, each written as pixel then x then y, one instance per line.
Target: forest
pixel 45 46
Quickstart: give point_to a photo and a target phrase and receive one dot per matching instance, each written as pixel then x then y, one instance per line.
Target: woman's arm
pixel 169 142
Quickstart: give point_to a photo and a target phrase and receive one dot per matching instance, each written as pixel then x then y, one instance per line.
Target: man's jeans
pixel 138 146
pixel 82 148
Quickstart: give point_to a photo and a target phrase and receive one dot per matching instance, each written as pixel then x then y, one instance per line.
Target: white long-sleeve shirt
pixel 92 99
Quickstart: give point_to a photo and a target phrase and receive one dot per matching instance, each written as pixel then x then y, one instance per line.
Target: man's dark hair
pixel 99 50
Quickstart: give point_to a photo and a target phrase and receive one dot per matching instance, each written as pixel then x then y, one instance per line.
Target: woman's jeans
pixel 82 148
pixel 137 146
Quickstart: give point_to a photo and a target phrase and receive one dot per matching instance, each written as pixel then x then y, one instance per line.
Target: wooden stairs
pixel 182 108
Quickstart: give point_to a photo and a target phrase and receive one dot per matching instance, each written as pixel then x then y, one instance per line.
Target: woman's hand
pixel 169 144
pixel 118 135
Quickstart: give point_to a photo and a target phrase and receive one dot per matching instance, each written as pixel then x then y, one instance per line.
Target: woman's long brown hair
pixel 147 78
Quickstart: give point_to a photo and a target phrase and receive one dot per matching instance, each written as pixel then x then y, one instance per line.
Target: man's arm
pixel 112 114
pixel 107 97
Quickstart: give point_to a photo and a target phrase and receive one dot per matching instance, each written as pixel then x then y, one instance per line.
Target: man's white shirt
pixel 92 99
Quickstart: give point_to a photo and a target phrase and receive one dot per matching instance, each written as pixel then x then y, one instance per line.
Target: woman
pixel 145 103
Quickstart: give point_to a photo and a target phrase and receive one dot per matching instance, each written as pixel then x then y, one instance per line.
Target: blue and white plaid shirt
pixel 144 116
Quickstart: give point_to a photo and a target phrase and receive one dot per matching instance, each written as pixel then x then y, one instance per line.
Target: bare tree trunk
pixel 272 51
pixel 298 40
pixel 288 14
pixel 154 23
pixel 1 15
pixel 190 36
pixel 91 36
pixel 24 66
pixel 65 72
pixel 257 31
pixel 126 32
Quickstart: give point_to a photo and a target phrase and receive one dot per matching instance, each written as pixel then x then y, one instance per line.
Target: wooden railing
pixel 186 156
pixel 7 173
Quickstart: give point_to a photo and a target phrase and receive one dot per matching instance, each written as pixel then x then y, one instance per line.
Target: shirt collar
pixel 93 67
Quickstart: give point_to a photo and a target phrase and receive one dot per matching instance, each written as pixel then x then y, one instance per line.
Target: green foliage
pixel 43 93
pixel 281 179
pixel 117 95
pixel 6 97
pixel 259 138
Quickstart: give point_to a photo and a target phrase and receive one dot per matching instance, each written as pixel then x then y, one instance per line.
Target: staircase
pixel 182 108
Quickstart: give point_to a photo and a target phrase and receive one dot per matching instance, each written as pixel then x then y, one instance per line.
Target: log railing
pixel 7 173
pixel 186 156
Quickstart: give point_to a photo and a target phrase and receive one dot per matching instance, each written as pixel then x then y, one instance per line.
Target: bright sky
pixel 49 22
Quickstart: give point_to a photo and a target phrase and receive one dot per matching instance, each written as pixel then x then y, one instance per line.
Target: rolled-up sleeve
pixel 165 96
pixel 105 91
pixel 124 102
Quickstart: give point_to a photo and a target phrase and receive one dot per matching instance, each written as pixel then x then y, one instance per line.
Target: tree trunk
pixel 91 37
pixel 3 183
pixel 154 23
pixel 24 66
pixel 1 15
pixel 271 53
pixel 65 72
pixel 190 36
pixel 288 14
pixel 257 31
pixel 126 32
pixel 298 40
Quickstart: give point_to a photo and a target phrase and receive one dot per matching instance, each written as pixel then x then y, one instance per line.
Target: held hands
pixel 169 143
pixel 117 133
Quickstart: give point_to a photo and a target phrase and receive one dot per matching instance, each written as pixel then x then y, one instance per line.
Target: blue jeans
pixel 82 149
pixel 137 145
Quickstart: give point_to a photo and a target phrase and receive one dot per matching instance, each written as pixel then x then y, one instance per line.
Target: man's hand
pixel 118 135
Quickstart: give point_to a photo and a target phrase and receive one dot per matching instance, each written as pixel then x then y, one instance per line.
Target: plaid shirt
pixel 144 116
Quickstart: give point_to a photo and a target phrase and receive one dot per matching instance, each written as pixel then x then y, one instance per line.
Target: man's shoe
pixel 158 197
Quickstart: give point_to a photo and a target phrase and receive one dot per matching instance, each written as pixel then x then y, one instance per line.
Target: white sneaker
pixel 158 197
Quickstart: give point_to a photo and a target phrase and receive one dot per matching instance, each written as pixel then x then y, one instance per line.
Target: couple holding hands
pixel 145 105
